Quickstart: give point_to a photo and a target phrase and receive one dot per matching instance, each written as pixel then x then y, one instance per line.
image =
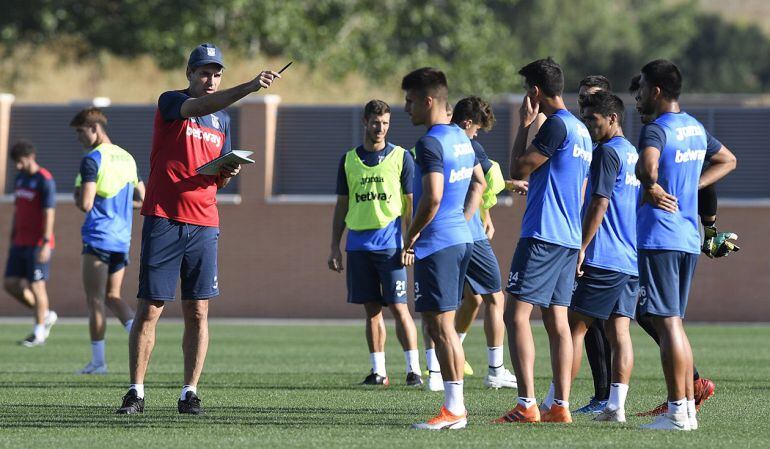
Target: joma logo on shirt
pixel 26 194
pixel 372 196
pixel 690 156
pixel 459 175
pixel 204 136
pixel 461 149
pixel 371 180
pixel 689 131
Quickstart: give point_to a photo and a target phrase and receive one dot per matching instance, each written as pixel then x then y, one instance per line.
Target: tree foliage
pixel 481 45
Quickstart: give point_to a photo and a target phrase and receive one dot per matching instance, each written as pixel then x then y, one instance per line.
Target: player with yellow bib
pixel 374 192
pixel 107 189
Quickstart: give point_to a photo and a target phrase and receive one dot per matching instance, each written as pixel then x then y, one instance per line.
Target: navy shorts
pixel 170 250
pixel 483 275
pixel 115 260
pixel 376 276
pixel 22 263
pixel 600 293
pixel 440 277
pixel 542 273
pixel 664 282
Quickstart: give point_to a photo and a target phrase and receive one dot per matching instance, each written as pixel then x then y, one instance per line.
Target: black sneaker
pixel 375 379
pixel 413 380
pixel 191 404
pixel 131 404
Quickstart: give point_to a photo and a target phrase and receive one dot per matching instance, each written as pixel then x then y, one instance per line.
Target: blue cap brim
pixel 207 61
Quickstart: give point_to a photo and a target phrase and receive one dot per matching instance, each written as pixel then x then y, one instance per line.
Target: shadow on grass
pixel 53 416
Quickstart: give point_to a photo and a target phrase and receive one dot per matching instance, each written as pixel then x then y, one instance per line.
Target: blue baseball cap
pixel 205 54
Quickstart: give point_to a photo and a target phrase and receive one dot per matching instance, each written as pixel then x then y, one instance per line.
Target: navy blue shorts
pixel 376 276
pixel 600 293
pixel 170 250
pixel 542 273
pixel 483 275
pixel 115 260
pixel 22 263
pixel 664 282
pixel 440 277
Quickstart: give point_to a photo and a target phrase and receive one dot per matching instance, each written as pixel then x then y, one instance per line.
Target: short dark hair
pixel 89 116
pixel 605 103
pixel 633 87
pixel 599 81
pixel 476 110
pixel 664 74
pixel 429 82
pixel 376 107
pixel 21 148
pixel 545 74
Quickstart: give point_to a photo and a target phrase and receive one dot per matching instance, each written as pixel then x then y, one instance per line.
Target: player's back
pixel 556 188
pixel 449 227
pixel 679 168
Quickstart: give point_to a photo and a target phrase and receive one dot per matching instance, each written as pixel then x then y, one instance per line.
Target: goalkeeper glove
pixel 718 244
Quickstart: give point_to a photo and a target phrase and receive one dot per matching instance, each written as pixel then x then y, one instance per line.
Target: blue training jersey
pixel 444 149
pixel 555 191
pixel 684 145
pixel 475 224
pixel 108 224
pixel 612 176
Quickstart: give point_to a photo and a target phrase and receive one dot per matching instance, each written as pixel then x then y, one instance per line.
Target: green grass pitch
pixel 289 386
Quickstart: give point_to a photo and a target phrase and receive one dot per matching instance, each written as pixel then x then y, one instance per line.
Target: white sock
pixel 691 408
pixel 462 336
pixel 453 397
pixel 39 331
pixel 139 388
pixel 432 360
pixel 412 357
pixel 185 389
pixel 678 407
pixel 378 363
pixel 548 401
pixel 97 352
pixel 128 325
pixel 495 358
pixel 561 403
pixel 527 402
pixel 618 393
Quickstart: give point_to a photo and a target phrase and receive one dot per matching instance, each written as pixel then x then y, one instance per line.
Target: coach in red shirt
pixel 181 224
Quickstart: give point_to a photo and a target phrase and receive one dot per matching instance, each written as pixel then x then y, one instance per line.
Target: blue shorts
pixel 664 282
pixel 170 250
pixel 22 263
pixel 483 275
pixel 376 276
pixel 542 273
pixel 600 293
pixel 439 278
pixel 115 260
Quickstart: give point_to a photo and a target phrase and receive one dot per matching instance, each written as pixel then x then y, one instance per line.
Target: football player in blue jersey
pixel 543 267
pixel 673 148
pixel 447 190
pixel 608 281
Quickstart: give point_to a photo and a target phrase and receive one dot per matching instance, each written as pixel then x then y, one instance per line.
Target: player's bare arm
pixel 475 191
pixel 226 173
pixel 338 227
pixel 720 164
pixel 591 222
pixel 427 208
pixel 85 201
pixel 138 200
pixel 44 255
pixel 407 258
pixel 647 174
pixel 216 101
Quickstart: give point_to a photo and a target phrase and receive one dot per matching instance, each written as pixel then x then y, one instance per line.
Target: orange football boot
pixel 557 414
pixel 520 414
pixel 704 389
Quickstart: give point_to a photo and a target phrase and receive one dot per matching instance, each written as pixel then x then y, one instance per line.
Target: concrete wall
pixel 273 252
